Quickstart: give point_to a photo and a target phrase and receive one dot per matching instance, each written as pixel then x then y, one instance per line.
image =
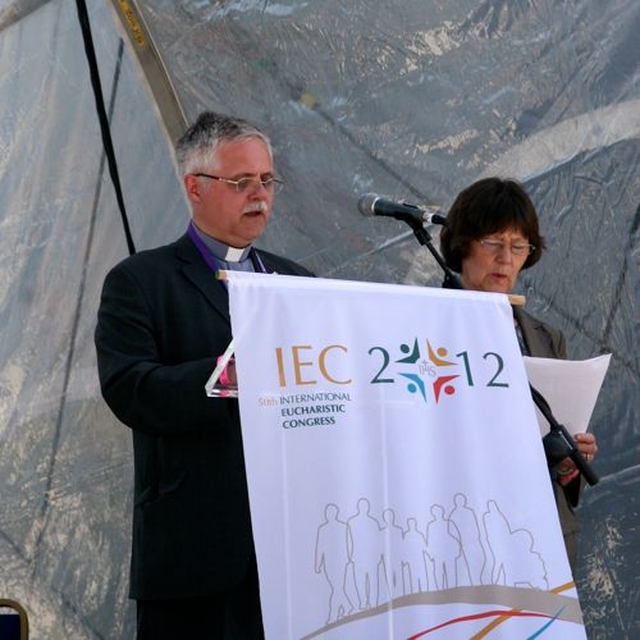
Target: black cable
pixel 85 27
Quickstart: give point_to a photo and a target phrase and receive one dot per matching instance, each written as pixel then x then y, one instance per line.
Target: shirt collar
pixel 221 250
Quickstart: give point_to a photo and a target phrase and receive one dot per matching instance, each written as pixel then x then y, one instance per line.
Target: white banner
pixel 396 473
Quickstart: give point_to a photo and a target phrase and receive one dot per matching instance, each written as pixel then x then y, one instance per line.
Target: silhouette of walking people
pixel 333 556
pixel 443 547
pixel 473 558
pixel 367 553
pixel 416 563
pixel 392 555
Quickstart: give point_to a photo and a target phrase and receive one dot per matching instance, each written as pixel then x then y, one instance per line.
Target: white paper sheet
pixel 571 388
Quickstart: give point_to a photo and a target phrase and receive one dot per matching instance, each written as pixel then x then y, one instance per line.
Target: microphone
pixel 371 204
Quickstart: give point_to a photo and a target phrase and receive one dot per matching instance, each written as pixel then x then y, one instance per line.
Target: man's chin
pixel 252 231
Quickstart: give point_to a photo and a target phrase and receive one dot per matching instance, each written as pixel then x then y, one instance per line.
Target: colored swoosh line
pixel 501 616
pixel 545 626
pixel 498 621
pixel 514 613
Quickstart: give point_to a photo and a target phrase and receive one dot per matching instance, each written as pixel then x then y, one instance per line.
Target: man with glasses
pixel 491 235
pixel 163 322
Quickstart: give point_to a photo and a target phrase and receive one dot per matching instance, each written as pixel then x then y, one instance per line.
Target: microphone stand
pixel 558 443
pixel 451 280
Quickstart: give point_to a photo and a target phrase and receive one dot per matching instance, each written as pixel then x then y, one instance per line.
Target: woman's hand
pixel 587 446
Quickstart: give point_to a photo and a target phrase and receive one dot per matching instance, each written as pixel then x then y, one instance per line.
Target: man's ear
pixel 192 187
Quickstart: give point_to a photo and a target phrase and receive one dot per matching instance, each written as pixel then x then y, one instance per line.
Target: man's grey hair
pixel 196 148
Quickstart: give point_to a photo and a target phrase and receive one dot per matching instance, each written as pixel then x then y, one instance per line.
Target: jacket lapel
pixel 198 273
pixel 533 333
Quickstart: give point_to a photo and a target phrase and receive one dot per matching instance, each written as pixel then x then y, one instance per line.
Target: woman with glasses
pixel 491 235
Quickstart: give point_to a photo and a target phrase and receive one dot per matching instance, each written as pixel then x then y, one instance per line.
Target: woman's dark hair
pixel 490 205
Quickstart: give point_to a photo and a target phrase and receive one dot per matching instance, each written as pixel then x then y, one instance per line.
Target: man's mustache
pixel 260 206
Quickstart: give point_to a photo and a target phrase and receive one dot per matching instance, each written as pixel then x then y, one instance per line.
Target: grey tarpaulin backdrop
pixel 409 98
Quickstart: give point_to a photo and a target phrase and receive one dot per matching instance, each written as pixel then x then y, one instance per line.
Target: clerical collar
pixel 220 250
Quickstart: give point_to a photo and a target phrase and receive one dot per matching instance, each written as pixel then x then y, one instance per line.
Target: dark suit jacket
pixel 163 321
pixel 544 341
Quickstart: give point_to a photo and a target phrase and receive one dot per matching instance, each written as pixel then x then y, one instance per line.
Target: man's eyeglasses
pixel 495 247
pixel 248 183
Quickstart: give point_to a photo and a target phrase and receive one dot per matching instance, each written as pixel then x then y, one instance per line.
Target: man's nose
pixel 257 189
